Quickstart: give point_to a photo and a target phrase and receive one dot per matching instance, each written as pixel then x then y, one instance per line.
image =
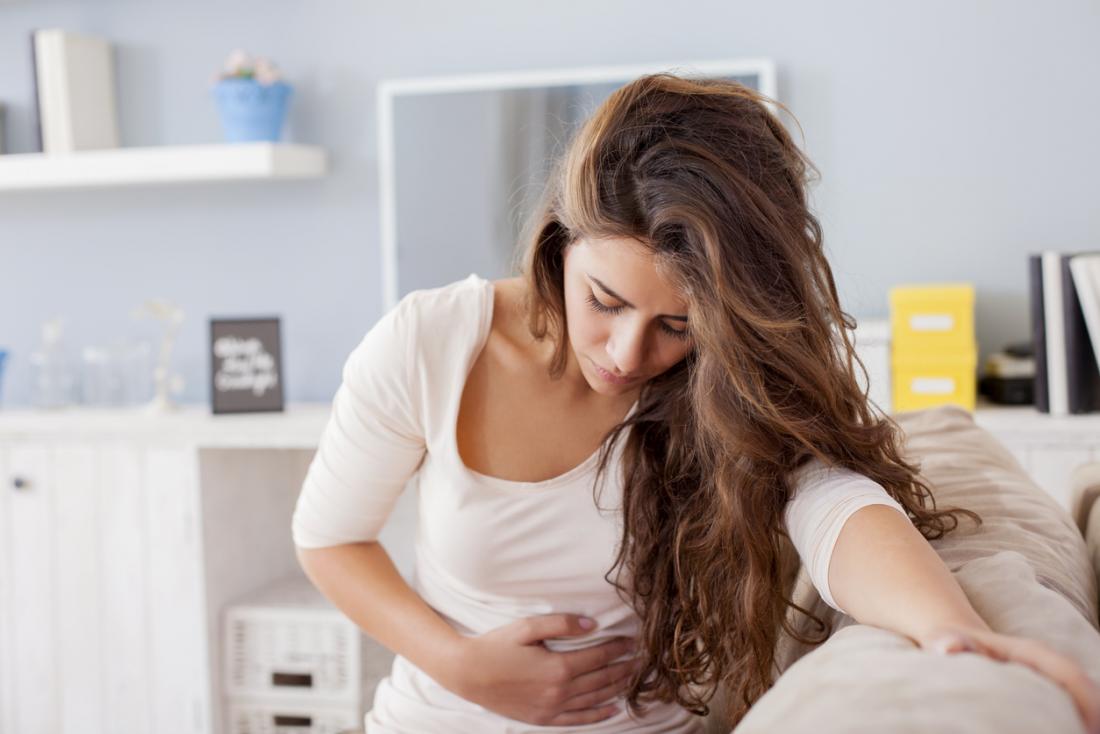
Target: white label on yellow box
pixel 933 385
pixel 932 322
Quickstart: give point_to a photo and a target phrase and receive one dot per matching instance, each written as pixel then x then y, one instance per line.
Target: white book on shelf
pixel 75 77
pixel 1086 278
pixel 1055 333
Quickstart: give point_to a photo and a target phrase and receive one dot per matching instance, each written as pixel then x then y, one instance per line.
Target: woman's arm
pixel 507 670
pixel 361 580
pixel 884 573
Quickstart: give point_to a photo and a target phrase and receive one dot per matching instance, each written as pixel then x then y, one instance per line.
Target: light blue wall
pixel 953 138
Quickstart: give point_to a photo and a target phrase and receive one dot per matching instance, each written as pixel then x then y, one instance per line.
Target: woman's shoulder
pixel 816 473
pixel 454 308
pixel 452 301
pixel 441 324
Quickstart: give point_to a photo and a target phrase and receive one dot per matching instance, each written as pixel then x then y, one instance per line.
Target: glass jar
pixel 51 379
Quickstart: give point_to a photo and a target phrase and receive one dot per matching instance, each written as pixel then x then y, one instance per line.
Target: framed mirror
pixel 463 160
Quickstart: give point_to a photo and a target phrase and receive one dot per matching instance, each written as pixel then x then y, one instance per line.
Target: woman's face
pixel 623 317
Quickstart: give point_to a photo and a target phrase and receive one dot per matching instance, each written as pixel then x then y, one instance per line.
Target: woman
pixel 617 451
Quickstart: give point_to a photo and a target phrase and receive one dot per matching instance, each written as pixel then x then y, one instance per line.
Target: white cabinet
pixel 103 623
pixel 29 673
pixel 121 541
pixel 1049 447
pixel 123 537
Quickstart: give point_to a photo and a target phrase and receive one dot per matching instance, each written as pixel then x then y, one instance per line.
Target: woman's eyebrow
pixel 627 303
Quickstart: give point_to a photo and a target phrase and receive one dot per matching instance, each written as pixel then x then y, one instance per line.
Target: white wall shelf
pixel 160 165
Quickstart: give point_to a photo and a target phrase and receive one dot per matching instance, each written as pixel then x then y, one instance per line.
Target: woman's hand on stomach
pixel 510 671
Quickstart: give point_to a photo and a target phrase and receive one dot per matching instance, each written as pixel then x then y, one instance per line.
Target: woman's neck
pixel 572 382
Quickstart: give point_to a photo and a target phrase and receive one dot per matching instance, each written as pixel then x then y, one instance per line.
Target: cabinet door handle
pixel 20 483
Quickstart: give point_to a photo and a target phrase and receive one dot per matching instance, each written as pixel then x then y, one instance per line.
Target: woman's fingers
pixel 572 718
pixel 596 657
pixel 1047 662
pixel 1086 694
pixel 599 686
pixel 529 630
pixel 1065 672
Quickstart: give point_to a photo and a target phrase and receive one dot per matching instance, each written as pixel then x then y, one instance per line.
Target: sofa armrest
pixel 1085 484
pixel 1085 489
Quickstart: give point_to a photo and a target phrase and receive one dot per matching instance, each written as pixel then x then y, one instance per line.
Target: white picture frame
pixel 389 90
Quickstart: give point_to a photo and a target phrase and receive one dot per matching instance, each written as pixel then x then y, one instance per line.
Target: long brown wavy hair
pixel 706 177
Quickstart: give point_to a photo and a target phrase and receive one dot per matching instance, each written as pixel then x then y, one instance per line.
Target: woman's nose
pixel 627 350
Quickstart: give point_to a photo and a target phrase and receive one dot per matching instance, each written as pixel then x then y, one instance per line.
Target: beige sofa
pixel 1027 570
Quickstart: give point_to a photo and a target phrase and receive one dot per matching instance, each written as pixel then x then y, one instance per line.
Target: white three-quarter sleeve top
pixel 490 551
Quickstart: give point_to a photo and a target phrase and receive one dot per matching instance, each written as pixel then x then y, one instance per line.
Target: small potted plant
pixel 252 98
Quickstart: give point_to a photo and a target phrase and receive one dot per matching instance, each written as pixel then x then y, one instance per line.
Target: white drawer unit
pixel 295 664
pixel 303 653
pixel 286 642
pixel 263 716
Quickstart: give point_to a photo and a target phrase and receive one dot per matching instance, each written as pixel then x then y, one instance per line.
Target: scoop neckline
pixel 485 328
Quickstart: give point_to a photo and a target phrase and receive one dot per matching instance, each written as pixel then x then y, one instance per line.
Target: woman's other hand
pixel 510 671
pixel 1036 655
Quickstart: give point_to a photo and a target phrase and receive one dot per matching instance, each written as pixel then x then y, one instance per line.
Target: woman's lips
pixel 612 378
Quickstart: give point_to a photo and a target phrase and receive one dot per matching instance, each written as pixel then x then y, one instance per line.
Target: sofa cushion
pixel 966 466
pixel 1025 570
pixel 866 679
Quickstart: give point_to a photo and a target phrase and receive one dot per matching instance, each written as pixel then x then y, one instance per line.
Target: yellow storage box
pixel 939 316
pixel 927 378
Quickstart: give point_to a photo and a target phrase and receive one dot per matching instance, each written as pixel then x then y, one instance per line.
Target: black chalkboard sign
pixel 246 370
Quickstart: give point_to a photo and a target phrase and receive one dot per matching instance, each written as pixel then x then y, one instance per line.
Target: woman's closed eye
pixel 602 308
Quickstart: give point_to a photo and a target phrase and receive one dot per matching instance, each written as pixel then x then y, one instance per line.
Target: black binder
pixel 1082 373
pixel 1038 332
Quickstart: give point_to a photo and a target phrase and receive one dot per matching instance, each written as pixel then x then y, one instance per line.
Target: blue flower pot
pixel 252 111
